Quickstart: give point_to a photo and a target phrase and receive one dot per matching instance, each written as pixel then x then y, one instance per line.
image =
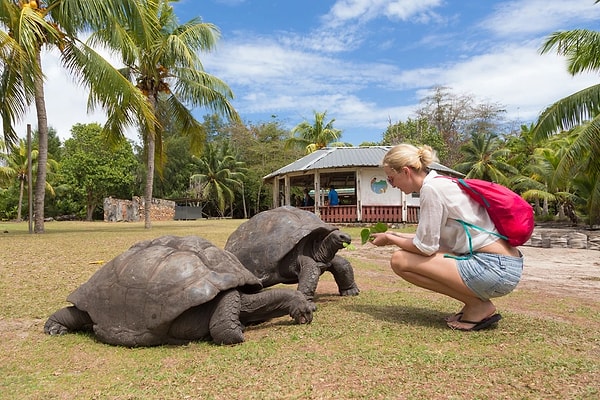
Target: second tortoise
pixel 289 245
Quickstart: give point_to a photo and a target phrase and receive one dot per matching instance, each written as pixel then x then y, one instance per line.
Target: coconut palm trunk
pixel 40 183
pixel 150 160
pixel 19 206
pixel 151 141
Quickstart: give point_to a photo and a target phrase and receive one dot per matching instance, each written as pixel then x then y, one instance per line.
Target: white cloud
pixel 276 79
pixel 517 77
pixel 365 10
pixel 517 17
pixel 326 39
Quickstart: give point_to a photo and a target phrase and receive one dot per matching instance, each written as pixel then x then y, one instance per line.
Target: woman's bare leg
pixel 440 275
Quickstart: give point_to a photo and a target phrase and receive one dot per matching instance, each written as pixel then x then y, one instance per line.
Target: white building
pixel 356 173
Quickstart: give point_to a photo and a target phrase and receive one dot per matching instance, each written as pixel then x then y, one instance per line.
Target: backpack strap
pixel 470 189
pixel 466 226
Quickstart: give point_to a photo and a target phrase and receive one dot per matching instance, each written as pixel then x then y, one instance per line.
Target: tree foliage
pixel 93 170
pixel 485 157
pixel 16 170
pixel 580 110
pixel 456 118
pixel 416 132
pixel 262 147
pixel 314 136
pixel 179 164
pixel 219 173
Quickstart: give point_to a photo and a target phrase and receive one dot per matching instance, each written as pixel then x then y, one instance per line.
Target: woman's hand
pixel 380 239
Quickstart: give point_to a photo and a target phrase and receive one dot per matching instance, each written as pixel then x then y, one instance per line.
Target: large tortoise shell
pixel 266 238
pixel 149 285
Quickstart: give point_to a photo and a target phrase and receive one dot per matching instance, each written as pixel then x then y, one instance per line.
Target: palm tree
pixel 313 136
pixel 31 26
pixel 522 145
pixel 544 181
pixel 536 182
pixel 582 49
pixel 485 158
pixel 22 79
pixel 586 187
pixel 577 179
pixel 219 174
pixel 5 171
pixel 161 58
pixel 17 168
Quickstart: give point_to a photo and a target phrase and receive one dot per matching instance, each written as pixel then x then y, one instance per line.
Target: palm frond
pixel 124 103
pixel 188 124
pixel 201 89
pixel 579 46
pixel 566 113
pixel 188 40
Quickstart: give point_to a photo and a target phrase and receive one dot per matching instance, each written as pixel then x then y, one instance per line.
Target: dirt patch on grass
pixel 20 327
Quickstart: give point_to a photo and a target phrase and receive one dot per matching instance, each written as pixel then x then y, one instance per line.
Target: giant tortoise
pixel 289 245
pixel 173 290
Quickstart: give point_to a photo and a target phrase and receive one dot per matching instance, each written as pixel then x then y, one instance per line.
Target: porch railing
pixel 370 214
pixel 338 213
pixel 390 214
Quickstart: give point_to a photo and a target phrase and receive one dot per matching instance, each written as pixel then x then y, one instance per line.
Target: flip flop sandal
pixel 478 325
pixel 454 317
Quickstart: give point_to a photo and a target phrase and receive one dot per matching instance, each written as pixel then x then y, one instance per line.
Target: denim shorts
pixel 490 275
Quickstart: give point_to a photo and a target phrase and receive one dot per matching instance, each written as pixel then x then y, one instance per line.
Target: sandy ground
pixel 572 272
pixel 556 271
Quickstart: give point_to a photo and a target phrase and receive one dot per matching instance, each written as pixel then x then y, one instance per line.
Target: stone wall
pixel 162 210
pixel 117 210
pixel 564 238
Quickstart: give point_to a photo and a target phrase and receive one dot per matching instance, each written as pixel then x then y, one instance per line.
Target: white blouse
pixel 442 202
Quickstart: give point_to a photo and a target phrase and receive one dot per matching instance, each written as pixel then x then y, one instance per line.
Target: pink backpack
pixel 511 214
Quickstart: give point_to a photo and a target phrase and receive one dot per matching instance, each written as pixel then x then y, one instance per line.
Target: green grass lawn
pixel 389 342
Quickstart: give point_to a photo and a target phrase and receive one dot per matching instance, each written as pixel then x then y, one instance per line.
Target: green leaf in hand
pixel 365 234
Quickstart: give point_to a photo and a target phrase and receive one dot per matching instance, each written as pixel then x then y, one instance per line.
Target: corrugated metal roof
pixel 342 157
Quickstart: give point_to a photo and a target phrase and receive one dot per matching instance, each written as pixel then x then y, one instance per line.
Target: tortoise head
pixel 330 244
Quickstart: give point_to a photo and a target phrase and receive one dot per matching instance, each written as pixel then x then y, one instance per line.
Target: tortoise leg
pixel 273 303
pixel 344 276
pixel 225 326
pixel 68 319
pixel 308 275
pixel 192 324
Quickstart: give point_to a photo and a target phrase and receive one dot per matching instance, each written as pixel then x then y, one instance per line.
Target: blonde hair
pixel 407 155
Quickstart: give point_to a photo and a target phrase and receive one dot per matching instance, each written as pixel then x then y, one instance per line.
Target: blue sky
pixel 369 62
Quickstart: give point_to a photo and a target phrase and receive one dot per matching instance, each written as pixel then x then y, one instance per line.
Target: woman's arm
pixel 402 240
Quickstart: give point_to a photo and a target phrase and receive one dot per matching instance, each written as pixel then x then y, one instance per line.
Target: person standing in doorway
pixel 307 201
pixel 333 196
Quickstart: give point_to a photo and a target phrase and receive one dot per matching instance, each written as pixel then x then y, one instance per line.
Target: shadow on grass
pixel 402 314
pixel 326 298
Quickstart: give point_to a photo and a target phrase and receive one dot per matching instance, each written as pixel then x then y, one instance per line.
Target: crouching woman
pixel 439 256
